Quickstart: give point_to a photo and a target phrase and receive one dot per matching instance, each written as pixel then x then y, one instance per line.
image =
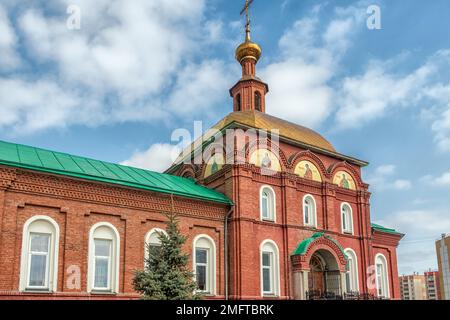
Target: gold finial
pixel 248 49
pixel 247 16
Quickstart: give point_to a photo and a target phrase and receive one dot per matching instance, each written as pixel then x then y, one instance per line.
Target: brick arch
pixel 346 167
pixel 188 171
pixel 225 152
pixel 268 142
pixel 309 156
pixel 301 261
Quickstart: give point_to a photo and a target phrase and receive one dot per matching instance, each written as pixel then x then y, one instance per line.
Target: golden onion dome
pixel 248 49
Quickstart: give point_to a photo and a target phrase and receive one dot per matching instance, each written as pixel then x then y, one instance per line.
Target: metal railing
pixel 354 295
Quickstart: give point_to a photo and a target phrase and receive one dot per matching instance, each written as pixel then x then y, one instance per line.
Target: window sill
pixel 29 290
pixel 268 220
pixel 105 292
pixel 270 296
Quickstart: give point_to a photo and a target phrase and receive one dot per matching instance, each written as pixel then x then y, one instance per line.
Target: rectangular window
pixel 380 280
pixel 307 214
pixel 201 269
pixel 38 261
pixel 267 273
pixel 265 207
pixel 348 275
pixel 102 268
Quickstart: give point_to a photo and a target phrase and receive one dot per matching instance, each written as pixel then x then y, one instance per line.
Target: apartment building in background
pixel 432 283
pixel 420 287
pixel 413 287
pixel 443 253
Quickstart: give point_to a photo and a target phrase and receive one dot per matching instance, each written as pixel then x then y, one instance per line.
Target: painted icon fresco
pixel 344 180
pixel 215 164
pixel 308 170
pixel 265 159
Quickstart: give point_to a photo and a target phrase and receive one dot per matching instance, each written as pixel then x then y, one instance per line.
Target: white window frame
pixel 313 214
pixel 354 273
pixel 384 286
pixel 271 204
pixel 32 226
pixel 347 221
pixel 108 259
pixel 113 279
pixel 269 246
pixel 205 242
pixel 147 240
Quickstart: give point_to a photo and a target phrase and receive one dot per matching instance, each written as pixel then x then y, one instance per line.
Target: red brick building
pixel 281 216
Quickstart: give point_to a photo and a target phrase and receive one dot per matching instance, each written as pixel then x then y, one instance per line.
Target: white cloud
pixel 35 105
pixel 131 61
pixel 158 157
pixel 380 179
pixel 422 228
pixel 8 42
pixel 200 87
pixel 386 169
pixel 369 96
pixel 380 90
pixel 442 180
pixel 402 184
pixel 309 58
pixel 441 128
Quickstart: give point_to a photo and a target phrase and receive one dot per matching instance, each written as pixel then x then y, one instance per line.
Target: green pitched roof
pixel 26 157
pixel 377 227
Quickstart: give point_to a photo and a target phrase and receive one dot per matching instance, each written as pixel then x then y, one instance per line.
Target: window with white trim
pixel 153 241
pixel 267 204
pixel 347 218
pixel 39 263
pixel 309 211
pixel 270 277
pixel 351 272
pixel 104 250
pixel 382 276
pixel 204 262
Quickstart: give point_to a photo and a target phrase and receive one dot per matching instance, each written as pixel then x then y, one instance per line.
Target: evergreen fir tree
pixel 166 275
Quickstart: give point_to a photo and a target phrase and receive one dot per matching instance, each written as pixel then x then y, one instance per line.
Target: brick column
pixel 10 240
pixel 329 202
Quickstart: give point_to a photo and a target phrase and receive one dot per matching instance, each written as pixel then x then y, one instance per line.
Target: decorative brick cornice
pixel 7 176
pixel 80 190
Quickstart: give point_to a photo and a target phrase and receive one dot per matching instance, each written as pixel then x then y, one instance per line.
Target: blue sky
pixel 116 88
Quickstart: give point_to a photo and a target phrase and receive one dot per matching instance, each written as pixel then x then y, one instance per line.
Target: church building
pixel 271 210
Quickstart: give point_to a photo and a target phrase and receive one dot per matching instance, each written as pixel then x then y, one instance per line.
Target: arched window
pixel 39 263
pixel 309 211
pixel 270 269
pixel 152 241
pixel 382 276
pixel 257 101
pixel 238 102
pixel 347 218
pixel 267 204
pixel 204 261
pixel 351 272
pixel 104 252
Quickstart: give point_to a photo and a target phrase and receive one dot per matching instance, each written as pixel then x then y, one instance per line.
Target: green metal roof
pixel 26 157
pixel 377 227
pixel 304 245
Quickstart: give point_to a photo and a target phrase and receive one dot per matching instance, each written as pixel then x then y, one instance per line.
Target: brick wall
pixel 76 206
